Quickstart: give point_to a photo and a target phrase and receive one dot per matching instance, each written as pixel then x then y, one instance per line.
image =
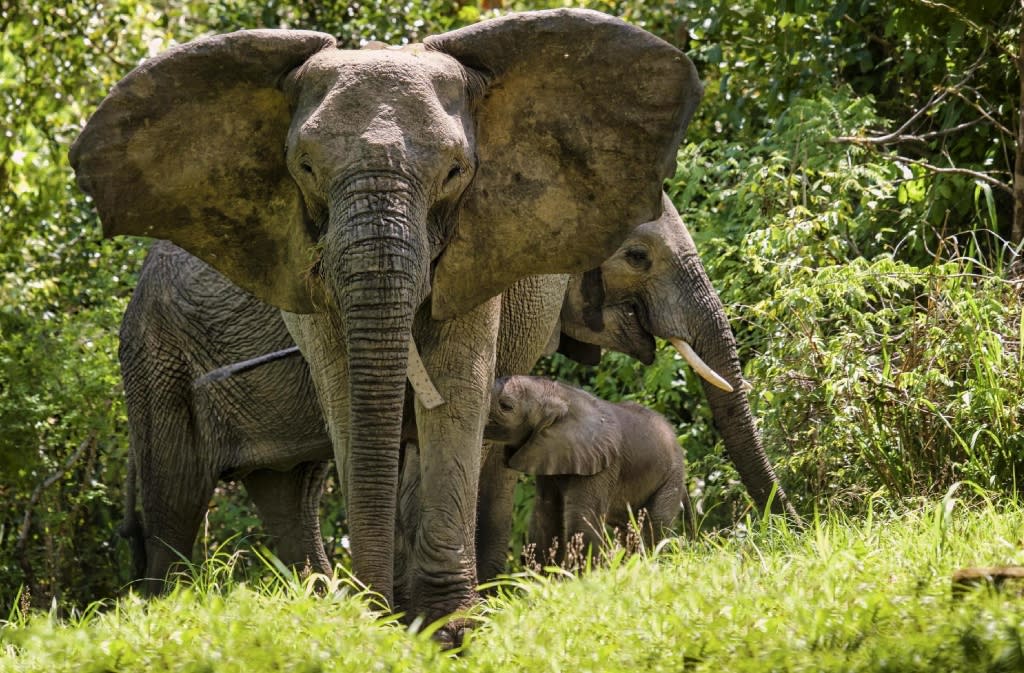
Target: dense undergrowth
pixel 864 594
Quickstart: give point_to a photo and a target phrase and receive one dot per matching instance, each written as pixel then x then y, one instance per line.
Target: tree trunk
pixel 1017 234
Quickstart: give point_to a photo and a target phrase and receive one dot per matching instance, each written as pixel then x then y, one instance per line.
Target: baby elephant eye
pixel 505 405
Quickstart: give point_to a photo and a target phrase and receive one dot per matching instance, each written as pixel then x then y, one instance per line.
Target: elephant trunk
pixel 377 269
pixel 712 338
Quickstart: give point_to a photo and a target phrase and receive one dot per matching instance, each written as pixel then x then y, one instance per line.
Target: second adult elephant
pixel 263 427
pixel 654 285
pixel 382 196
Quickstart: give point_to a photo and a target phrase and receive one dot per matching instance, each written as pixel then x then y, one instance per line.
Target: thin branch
pixel 977 28
pixel 953 170
pixel 895 138
pixel 872 36
pixel 37 493
pixel 984 113
pixel 952 10
pixel 946 132
pixel 936 98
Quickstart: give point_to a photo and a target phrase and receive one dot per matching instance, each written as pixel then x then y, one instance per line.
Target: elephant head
pixel 548 428
pixel 362 184
pixel 654 285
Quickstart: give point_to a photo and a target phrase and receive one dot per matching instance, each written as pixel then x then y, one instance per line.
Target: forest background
pixel 849 181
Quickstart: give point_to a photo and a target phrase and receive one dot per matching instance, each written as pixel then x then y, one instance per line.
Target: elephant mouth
pixel 643 345
pixel 509 451
pixel 636 337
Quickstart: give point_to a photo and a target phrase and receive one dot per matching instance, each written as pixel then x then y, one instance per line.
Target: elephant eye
pixel 505 405
pixel 638 258
pixel 306 166
pixel 454 173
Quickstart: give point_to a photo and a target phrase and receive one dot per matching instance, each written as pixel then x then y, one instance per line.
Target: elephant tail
pixel 131 527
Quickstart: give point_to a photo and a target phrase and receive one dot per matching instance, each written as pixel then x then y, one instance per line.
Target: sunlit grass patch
pixel 846 595
pixel 869 593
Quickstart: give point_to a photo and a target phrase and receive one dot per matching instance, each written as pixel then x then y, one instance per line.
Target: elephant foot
pixel 453 635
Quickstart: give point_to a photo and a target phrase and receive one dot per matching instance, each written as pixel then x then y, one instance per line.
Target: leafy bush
pixel 888 377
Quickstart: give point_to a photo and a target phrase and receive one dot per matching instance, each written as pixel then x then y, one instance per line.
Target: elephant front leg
pixel 586 506
pixel 459 355
pixel 494 514
pixel 546 538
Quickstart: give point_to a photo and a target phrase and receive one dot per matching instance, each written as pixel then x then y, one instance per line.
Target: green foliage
pixel 889 376
pixel 63 442
pixel 869 594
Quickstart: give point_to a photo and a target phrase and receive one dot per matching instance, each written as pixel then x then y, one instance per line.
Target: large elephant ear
pixel 189 147
pixel 574 435
pixel 577 131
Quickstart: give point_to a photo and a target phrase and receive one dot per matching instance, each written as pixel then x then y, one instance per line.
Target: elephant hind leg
pixel 172 523
pixel 175 487
pixel 662 509
pixel 289 505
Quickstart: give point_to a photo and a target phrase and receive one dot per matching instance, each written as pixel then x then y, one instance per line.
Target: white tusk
pixel 705 372
pixel 420 380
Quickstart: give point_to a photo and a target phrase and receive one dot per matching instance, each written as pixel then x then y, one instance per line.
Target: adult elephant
pixel 414 185
pixel 264 427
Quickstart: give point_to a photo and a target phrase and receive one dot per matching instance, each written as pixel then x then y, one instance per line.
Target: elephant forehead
pixel 525 387
pixel 667 234
pixel 391 72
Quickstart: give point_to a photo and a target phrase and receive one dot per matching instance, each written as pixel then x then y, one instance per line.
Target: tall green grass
pixel 865 594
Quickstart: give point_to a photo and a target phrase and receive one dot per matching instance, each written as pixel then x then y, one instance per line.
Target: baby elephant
pixel 595 461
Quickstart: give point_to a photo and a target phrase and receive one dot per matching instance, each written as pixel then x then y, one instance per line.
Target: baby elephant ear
pixel 575 135
pixel 189 147
pixel 582 438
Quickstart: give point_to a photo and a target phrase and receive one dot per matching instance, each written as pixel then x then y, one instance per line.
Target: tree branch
pixel 984 113
pixel 37 493
pixel 953 170
pixel 1017 229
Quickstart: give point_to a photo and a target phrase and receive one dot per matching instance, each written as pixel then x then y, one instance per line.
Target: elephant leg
pixel 409 510
pixel 585 509
pixel 662 509
pixel 316 337
pixel 460 355
pixel 584 529
pixel 173 509
pixel 494 513
pixel 529 319
pixel 289 505
pixel 546 538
